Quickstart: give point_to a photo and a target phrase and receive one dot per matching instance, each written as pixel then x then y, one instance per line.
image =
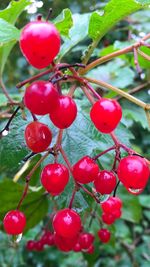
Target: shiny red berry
pixel 65 113
pixel 86 240
pixel 111 204
pixel 41 97
pixel 14 222
pixel 39 43
pixel 85 170
pixel 108 218
pixel 47 238
pixel 106 114
pixel 90 250
pixel 105 182
pixel 77 247
pixel 65 244
pixel 37 136
pixel 54 177
pixel 104 235
pixel 67 223
pixel 133 172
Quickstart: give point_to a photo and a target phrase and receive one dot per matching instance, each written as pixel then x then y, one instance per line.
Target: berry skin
pixel 108 218
pixel 133 172
pixel 41 97
pixel 77 247
pixel 67 223
pixel 86 240
pixel 85 170
pixel 14 222
pixel 39 246
pixel 65 244
pixel 111 204
pixel 30 245
pixel 48 238
pixel 90 249
pixel 37 136
pixel 104 235
pixel 55 177
pixel 105 182
pixel 40 43
pixel 65 113
pixel 106 114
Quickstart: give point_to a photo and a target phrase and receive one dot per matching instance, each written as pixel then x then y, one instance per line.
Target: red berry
pixel 65 244
pixel 55 177
pixel 104 235
pixel 37 136
pixel 41 97
pixel 108 218
pixel 111 204
pixel 106 114
pixel 48 238
pixel 67 223
pixel 90 249
pixel 133 172
pixel 65 113
pixel 105 182
pixel 40 43
pixel 14 222
pixel 117 213
pixel 39 245
pixel 30 245
pixel 86 240
pixel 85 170
pixel 77 247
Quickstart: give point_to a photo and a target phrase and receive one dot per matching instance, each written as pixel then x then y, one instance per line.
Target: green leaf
pixel 77 33
pixel 144 201
pixel 111 73
pixel 8 32
pixel 64 22
pixel 35 205
pixel 10 14
pixel 132 210
pixel 144 63
pixel 114 11
pixel 13 11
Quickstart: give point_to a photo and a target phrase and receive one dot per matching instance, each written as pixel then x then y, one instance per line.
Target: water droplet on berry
pixel 135 191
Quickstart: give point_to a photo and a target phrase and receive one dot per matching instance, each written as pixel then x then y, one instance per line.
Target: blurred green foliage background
pixel 130 244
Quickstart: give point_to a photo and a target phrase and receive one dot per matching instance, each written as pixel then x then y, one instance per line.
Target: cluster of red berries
pixel 68 235
pixel 40 44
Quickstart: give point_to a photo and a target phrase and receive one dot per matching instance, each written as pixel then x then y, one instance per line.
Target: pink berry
pixel 14 222
pixel 40 43
pixel 67 223
pixel 90 250
pixel 106 114
pixel 54 178
pixel 65 112
pixel 104 235
pixel 111 204
pixel 133 172
pixel 105 182
pixel 77 247
pixel 37 136
pixel 85 170
pixel 41 97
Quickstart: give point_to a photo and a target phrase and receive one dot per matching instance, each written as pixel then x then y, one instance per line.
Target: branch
pixel 112 55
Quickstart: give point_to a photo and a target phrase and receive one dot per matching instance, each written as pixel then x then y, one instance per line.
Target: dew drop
pixel 135 191
pixel 5 132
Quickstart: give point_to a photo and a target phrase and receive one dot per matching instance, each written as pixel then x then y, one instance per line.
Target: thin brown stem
pixel 135 90
pixel 28 177
pixel 113 55
pixel 120 92
pixel 104 152
pixel 72 197
pixel 4 90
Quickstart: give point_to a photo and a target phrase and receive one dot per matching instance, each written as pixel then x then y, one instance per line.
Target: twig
pixel 6 128
pixel 5 91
